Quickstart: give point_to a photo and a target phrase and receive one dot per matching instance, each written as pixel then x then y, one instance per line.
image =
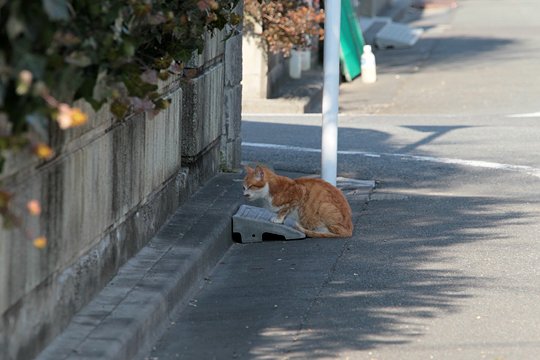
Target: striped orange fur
pixel 320 208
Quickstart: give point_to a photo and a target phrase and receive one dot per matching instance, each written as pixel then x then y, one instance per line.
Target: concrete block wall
pixel 110 188
pixel 263 72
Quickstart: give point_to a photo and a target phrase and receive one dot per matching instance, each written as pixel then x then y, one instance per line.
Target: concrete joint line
pixel 203 152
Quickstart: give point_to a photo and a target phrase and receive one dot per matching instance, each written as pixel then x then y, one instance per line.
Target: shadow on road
pixel 370 149
pixel 434 132
pixel 401 270
pixel 438 51
pixel 403 267
pixel 416 256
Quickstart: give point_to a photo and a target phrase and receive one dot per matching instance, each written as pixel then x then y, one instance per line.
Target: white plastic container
pixel 305 56
pixel 295 64
pixel 369 66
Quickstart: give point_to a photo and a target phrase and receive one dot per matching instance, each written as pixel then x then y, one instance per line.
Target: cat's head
pixel 255 183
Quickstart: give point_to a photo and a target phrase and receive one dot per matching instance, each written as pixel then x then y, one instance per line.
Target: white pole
pixel 330 102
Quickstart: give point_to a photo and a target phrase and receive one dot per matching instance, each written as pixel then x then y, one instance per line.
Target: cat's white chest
pixel 264 195
pixel 268 203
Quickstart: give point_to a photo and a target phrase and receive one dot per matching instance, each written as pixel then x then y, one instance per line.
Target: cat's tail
pixel 333 232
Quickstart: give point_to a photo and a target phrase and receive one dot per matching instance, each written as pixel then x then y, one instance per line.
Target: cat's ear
pixel 259 173
pixel 248 170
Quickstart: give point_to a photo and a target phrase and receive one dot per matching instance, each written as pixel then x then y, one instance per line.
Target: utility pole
pixel 330 102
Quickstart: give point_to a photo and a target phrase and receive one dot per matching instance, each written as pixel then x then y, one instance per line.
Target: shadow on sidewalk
pixel 405 266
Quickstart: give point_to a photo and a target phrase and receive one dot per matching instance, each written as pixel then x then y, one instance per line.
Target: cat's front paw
pixel 277 220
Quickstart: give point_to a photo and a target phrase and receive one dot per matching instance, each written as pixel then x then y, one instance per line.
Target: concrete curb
pixel 131 312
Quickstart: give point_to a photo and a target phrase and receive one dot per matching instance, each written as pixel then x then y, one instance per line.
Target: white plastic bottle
pixel 369 67
pixel 295 64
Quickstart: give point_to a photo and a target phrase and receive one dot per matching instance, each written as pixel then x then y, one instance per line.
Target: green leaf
pixel 94 89
pixel 162 104
pixel 118 109
pixel 64 85
pixel 14 27
pixel 56 9
pixel 128 48
pixel 78 58
pixel 134 84
pixel 32 62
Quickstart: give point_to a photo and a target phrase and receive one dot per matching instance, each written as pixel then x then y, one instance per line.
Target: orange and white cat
pixel 320 208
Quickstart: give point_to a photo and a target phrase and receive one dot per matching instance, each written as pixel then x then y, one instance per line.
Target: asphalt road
pixel 445 259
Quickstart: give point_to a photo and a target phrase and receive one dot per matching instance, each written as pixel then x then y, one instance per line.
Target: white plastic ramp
pixel 254 224
pixel 396 35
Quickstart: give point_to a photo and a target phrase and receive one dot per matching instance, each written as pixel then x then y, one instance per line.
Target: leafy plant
pixel 54 52
pixel 286 24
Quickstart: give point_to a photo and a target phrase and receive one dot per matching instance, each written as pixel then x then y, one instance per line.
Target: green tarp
pixel 351 41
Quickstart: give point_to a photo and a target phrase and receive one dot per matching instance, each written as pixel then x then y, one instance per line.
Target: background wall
pixel 107 192
pixel 262 71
